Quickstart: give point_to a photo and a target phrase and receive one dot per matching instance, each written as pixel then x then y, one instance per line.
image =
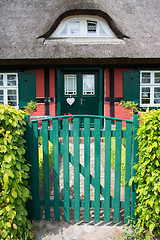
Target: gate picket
pixel 46 169
pixel 66 169
pixel 97 170
pixel 86 169
pixel 111 174
pixel 55 141
pixel 35 172
pixel 107 175
pixel 128 171
pixel 76 171
pixel 117 171
pixel 134 162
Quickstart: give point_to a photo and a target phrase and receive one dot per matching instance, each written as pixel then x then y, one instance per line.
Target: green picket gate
pixel 102 135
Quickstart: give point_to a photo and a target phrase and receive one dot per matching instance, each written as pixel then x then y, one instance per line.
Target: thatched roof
pixel 22 22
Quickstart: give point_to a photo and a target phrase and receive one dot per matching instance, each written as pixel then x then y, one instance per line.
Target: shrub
pixel 13 176
pixel 31 106
pixel 148 172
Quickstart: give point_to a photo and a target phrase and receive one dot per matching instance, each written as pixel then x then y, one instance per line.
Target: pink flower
pixel 61 118
pixel 70 118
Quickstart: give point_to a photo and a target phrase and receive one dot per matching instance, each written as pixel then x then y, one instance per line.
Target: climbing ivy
pixel 13 176
pixel 148 172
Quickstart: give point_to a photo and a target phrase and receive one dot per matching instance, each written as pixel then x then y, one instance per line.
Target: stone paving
pixel 76 231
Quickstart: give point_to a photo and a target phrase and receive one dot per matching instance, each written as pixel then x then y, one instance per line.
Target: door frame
pixel 100 71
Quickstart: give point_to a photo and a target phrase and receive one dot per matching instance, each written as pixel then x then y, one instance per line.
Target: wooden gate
pixel 98 161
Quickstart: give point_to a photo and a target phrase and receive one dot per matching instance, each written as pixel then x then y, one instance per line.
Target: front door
pixel 80 91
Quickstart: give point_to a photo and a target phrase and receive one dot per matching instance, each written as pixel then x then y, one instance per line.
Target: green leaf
pixel 11 214
pixel 3 148
pixel 14 193
pixel 8 224
pixel 4 233
pixel 157 209
pixel 5 178
pixel 8 208
pixel 10 173
pixel 29 225
pixel 151 227
pixel 25 192
pixel 1 211
pixel 7 158
pixel 18 165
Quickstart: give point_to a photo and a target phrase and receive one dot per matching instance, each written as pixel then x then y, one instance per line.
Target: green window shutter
pixel 131 86
pixel 27 88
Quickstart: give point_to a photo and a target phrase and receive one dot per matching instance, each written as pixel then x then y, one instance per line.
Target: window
pixel 74 28
pixel 9 89
pixel 91 26
pixel 149 88
pixel 83 26
pixel 70 84
pixel 88 84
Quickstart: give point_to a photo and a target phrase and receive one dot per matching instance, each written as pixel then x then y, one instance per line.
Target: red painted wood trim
pixel 118 82
pixel 52 83
pixel 107 86
pixel 39 82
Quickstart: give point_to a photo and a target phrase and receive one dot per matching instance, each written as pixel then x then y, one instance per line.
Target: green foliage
pixel 50 145
pixel 130 105
pixel 13 176
pixel 31 106
pixel 135 232
pixel 148 172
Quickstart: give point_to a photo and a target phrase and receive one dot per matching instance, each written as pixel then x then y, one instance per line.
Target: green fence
pixel 107 191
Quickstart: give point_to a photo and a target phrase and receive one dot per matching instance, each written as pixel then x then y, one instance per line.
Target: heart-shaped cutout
pixel 70 101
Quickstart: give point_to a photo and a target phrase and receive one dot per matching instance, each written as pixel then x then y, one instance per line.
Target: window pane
pixel 157 95
pixel 157 77
pixel 145 101
pixel 64 31
pixel 1 80
pixel 91 26
pixel 1 97
pixel 102 32
pixel 70 84
pixel 145 95
pixel 74 28
pixel 12 97
pixel 11 80
pixel 88 84
pixel 146 77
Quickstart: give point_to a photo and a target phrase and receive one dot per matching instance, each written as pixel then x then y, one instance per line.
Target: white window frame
pixel 66 91
pixel 151 85
pixel 91 93
pixel 83 30
pixel 5 87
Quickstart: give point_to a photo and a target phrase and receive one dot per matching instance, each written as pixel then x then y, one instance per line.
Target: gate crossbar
pixel 50 129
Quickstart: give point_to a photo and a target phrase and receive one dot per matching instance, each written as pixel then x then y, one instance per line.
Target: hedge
pixel 14 192
pixel 148 172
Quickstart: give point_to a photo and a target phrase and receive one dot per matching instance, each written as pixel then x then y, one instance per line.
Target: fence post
pixel 28 161
pixel 31 137
pixel 134 162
